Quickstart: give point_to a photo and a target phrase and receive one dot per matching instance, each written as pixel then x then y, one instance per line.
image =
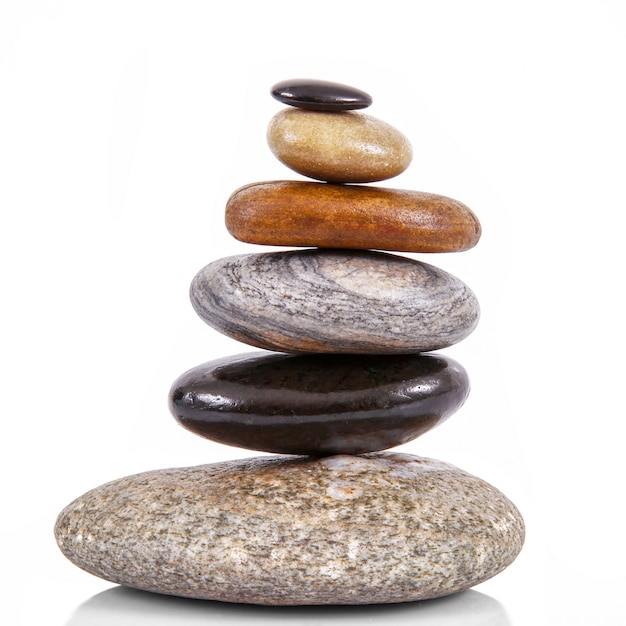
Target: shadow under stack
pixel 331 517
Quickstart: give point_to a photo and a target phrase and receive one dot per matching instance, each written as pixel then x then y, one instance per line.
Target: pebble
pixel 320 404
pixel 346 147
pixel 290 213
pixel 276 530
pixel 338 301
pixel 320 95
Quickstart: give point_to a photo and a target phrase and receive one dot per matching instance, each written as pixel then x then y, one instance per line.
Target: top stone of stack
pixel 322 137
pixel 320 95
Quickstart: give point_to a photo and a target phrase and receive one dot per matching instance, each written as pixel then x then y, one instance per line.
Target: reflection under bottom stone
pixel 123 606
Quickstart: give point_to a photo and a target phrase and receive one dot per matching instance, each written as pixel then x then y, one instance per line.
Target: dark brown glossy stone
pixel 318 404
pixel 320 95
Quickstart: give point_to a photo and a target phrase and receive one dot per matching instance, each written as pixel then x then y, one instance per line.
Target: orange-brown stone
pixel 290 213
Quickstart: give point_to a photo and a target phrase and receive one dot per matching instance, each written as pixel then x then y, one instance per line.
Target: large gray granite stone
pixel 376 528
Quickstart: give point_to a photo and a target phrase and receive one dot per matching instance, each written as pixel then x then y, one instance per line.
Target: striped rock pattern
pixel 336 301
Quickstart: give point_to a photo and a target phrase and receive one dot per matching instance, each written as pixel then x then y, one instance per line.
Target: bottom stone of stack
pixel 281 530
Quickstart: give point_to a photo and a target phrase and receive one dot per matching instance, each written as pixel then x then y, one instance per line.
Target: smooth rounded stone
pixel 320 404
pixel 290 213
pixel 320 95
pixel 275 530
pixel 346 147
pixel 336 301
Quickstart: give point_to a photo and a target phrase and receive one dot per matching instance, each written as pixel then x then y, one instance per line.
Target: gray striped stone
pixel 334 301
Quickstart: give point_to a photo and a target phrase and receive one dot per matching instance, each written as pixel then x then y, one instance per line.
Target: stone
pixel 345 147
pixel 336 301
pixel 276 530
pixel 318 404
pixel 320 95
pixel 290 213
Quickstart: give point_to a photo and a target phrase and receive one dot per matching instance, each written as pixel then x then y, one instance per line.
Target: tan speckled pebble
pixel 347 147
pixel 376 528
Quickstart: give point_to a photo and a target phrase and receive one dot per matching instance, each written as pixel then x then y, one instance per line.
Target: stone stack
pixel 333 519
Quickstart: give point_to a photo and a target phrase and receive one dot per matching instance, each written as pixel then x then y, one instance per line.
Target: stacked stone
pixel 333 519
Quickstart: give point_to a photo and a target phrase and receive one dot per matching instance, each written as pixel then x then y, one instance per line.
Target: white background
pixel 125 126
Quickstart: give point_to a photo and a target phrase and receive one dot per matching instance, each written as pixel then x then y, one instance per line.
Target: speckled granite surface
pixel 342 301
pixel 376 528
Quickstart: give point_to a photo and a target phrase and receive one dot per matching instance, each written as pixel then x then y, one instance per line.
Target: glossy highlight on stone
pixel 318 404
pixel 320 95
pixel 293 213
pixel 346 147
pixel 277 530
pixel 334 301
